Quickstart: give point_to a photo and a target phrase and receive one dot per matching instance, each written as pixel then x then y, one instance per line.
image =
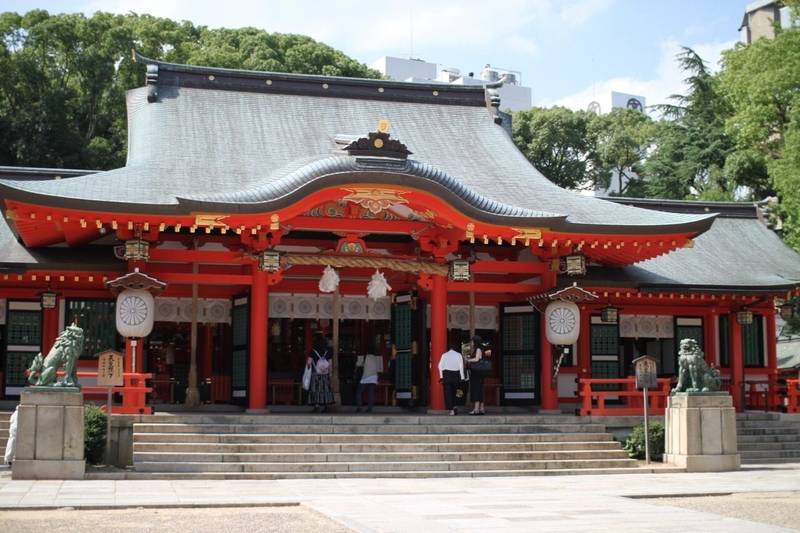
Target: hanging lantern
pixel 744 317
pixel 269 261
pixel 575 265
pixel 135 311
pixel 459 270
pixel 329 280
pixel 562 322
pixel 786 311
pixel 378 287
pixel 49 300
pixel 609 314
pixel 137 250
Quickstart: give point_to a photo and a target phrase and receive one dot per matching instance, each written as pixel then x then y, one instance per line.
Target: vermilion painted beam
pixel 197 256
pixel 205 279
pixel 357 225
pixel 515 288
pixel 503 267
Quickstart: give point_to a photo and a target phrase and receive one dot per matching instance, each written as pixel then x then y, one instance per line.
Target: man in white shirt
pixel 451 374
pixel 372 365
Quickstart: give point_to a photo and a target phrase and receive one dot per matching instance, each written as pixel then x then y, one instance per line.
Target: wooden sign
pixel 109 369
pixel 646 372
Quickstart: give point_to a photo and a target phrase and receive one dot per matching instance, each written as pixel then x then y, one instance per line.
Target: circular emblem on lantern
pixel 133 310
pixel 563 322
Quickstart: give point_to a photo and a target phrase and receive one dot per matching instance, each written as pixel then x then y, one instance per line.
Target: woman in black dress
pixel 479 369
pixel 320 392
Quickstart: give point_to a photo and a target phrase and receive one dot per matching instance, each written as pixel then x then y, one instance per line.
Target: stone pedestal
pixel 49 434
pixel 701 432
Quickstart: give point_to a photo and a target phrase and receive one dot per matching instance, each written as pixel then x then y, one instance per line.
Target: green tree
pixel 761 83
pixel 64 77
pixel 690 149
pixel 622 139
pixel 556 141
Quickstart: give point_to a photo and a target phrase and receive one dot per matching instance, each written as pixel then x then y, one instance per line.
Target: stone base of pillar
pixel 49 434
pixel 701 432
pixel 257 411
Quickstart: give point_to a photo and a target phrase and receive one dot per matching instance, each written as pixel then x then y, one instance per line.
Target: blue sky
pixel 567 50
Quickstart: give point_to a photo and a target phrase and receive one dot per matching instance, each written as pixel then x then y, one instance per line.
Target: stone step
pixel 780 430
pixel 761 461
pixel 349 419
pixel 753 415
pixel 179 447
pixel 367 428
pixel 311 438
pixel 373 457
pixel 756 446
pixel 417 466
pixel 770 454
pixel 767 423
pixel 376 474
pixel 767 438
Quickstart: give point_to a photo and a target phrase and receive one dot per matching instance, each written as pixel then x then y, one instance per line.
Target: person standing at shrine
pixel 320 391
pixel 371 365
pixel 451 374
pixel 479 369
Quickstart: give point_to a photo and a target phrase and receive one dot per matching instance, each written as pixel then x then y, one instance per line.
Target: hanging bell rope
pixel 337 261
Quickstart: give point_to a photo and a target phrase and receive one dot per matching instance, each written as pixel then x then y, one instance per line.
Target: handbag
pixel 484 365
pixel 307 378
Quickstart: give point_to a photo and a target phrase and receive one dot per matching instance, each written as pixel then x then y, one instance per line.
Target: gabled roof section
pixel 202 138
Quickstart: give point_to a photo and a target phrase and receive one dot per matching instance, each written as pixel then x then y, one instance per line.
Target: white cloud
pixel 577 13
pixel 657 90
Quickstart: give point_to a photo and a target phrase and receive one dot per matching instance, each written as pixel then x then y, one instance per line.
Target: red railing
pixel 629 398
pixel 134 391
pixel 793 395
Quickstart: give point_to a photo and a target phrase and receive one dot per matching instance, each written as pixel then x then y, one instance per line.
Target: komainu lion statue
pixel 694 374
pixel 65 352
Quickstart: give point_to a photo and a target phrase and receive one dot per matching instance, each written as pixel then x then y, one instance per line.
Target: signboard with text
pixel 109 369
pixel 646 372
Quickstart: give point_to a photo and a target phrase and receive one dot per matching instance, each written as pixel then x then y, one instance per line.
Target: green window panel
pixel 239 369
pixel 520 332
pixel 605 339
pixel 239 321
pixel 753 343
pixel 403 365
pixel 403 327
pixel 98 320
pixel 24 328
pixel 724 341
pixel 16 365
pixel 519 371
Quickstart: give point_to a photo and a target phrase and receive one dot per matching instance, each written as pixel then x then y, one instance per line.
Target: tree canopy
pixel 62 92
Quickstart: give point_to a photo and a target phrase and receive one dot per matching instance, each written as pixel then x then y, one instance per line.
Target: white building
pixel 513 95
pixel 760 18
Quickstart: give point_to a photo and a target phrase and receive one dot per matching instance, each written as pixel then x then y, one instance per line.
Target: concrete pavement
pixel 508 504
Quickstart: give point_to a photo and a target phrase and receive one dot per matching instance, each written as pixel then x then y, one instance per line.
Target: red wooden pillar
pixel 50 326
pixel 549 390
pixel 772 358
pixel 438 339
pixel 584 344
pixel 259 320
pixel 207 351
pixel 737 363
pixel 710 337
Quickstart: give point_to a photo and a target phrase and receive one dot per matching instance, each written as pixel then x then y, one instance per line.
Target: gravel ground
pixel 774 508
pixel 272 519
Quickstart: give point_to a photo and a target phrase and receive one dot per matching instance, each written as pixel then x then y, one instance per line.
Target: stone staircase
pixel 768 437
pixel 347 446
pixel 4 422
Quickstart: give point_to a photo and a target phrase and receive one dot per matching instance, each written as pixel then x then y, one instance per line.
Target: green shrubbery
pixel 634 444
pixel 94 433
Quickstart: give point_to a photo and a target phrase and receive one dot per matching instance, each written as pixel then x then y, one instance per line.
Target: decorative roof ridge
pixel 205 77
pixel 722 209
pixel 12 172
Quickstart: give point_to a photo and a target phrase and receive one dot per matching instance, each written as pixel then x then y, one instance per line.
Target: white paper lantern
pixel 135 313
pixel 562 322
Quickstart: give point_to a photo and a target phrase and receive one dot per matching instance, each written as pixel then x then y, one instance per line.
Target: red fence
pixel 793 395
pixel 625 399
pixel 134 391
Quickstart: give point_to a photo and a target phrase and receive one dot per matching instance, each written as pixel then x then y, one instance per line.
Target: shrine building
pixel 241 187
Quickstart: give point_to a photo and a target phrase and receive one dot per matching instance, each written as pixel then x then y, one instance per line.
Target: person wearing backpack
pixel 320 391
pixel 480 366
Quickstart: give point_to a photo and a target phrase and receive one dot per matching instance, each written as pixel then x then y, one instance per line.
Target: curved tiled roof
pixel 216 136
